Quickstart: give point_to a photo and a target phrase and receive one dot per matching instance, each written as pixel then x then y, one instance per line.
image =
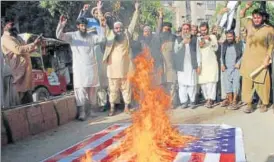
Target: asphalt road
pixel 258 130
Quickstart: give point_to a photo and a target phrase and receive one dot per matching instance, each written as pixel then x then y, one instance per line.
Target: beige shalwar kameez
pixel 118 57
pixel 259 44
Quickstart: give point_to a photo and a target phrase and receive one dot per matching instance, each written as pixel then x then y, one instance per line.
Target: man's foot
pixel 249 108
pixel 234 106
pixel 210 104
pixel 126 110
pixel 259 104
pixel 103 109
pixel 192 105
pixel 206 104
pixel 225 103
pixel 92 114
pixel 263 108
pixel 184 105
pixel 90 110
pixel 111 112
pixel 82 113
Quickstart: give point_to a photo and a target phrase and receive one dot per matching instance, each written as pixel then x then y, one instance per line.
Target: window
pixel 208 17
pixel 188 18
pixel 200 20
pixel 211 5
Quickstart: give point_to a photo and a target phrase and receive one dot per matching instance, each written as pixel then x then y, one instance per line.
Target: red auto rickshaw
pixel 51 67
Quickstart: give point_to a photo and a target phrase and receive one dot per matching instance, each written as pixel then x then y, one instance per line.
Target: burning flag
pixel 151 134
pixel 151 137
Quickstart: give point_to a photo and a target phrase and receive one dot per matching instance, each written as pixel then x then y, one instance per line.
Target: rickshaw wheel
pixel 40 94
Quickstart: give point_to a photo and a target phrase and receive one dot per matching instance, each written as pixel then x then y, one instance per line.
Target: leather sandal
pixel 225 103
pixel 111 112
pixel 234 106
pixel 248 109
pixel 263 108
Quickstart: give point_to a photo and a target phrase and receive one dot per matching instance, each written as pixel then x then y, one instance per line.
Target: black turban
pixel 168 24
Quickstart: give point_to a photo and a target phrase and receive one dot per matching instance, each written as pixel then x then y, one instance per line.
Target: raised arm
pixel 59 31
pixel 83 11
pixel 160 21
pixel 100 13
pixel 247 6
pixel 17 48
pixel 134 19
pixel 238 21
pixel 100 37
pixel 220 15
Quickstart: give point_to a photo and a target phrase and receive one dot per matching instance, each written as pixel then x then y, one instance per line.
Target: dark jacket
pixel 180 55
pixel 239 51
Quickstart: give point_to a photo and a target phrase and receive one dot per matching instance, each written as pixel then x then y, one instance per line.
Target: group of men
pixel 192 61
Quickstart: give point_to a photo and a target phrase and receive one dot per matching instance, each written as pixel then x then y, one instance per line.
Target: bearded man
pixel 187 65
pixel 258 51
pixel 92 17
pixel 163 53
pixel 85 68
pixel 118 57
pixel 231 53
pixel 146 38
pixel 17 56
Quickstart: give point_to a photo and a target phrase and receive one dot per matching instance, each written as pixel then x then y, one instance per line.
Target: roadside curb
pixel 20 122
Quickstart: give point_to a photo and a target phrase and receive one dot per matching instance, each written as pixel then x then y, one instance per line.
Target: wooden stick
pixel 256 71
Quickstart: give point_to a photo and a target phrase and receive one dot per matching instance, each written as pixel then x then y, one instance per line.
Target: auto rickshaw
pixel 51 67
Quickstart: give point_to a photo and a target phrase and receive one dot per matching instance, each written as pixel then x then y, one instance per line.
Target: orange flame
pixel 151 134
pixel 87 157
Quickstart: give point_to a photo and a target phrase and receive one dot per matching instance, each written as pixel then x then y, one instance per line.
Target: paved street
pixel 258 129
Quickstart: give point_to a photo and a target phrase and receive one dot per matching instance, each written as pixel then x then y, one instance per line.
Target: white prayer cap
pixel 93 10
pixel 118 23
pixel 147 28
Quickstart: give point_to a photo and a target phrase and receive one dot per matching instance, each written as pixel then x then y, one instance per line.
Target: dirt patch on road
pixel 203 116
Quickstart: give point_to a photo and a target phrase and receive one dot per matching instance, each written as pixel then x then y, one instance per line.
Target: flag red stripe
pixel 227 157
pixel 197 157
pixel 133 159
pixel 82 144
pixel 104 145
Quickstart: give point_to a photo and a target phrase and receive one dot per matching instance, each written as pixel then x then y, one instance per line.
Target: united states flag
pixel 217 143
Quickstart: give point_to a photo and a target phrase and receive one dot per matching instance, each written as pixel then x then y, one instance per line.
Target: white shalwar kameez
pixel 187 79
pixel 209 70
pixel 85 68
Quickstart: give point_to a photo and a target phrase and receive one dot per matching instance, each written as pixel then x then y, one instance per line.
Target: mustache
pixel 188 35
pixel 257 26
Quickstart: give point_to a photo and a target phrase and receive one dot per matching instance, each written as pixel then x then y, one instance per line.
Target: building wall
pixel 194 11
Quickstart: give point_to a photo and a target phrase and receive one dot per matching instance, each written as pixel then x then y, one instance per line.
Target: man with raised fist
pixel 85 69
